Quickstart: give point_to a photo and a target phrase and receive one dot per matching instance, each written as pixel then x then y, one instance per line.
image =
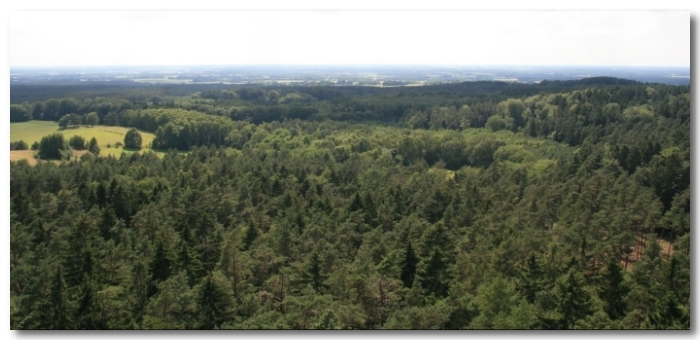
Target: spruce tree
pixel 613 290
pixel 409 265
pixel 60 314
pixel 188 259
pixel 160 267
pixel 214 303
pixel 250 235
pixel 573 302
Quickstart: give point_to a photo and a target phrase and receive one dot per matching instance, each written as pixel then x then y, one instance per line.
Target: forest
pixel 477 205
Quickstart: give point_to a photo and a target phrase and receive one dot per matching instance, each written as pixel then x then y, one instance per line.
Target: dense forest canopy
pixel 564 205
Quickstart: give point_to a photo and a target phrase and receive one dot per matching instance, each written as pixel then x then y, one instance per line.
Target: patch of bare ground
pixel 16 155
pixel 78 153
pixel 638 250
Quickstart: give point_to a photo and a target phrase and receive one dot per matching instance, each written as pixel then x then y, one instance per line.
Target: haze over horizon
pixel 358 38
pixel 364 66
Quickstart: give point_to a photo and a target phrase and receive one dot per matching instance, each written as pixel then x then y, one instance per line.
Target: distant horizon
pixel 385 75
pixel 348 65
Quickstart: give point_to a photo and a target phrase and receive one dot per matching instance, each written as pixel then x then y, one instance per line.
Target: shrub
pixel 18 145
pixel 77 142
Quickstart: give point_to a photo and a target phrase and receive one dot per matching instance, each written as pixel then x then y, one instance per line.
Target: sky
pixel 551 38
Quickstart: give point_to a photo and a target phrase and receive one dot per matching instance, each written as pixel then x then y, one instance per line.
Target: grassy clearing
pixel 33 131
pixel 23 154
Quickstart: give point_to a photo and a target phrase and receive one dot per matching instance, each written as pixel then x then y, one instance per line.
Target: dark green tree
pixel 531 279
pixel 87 314
pixel 60 305
pixel 69 120
pixel 19 113
pixel 313 271
pixel 433 268
pixel 132 139
pixel 53 147
pixel 250 235
pixel 18 145
pixel 188 259
pixel 93 147
pixel 214 301
pixel 140 286
pixel 77 142
pixel 613 290
pixel 573 301
pixel 112 119
pixel 160 267
pixel 408 266
pixel 91 119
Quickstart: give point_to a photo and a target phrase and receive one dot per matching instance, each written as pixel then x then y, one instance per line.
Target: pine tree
pixel 87 309
pixel 313 271
pixel 408 267
pixel 573 302
pixel 433 274
pixel 188 259
pixel 232 264
pixel 140 290
pixel 250 235
pixel 613 290
pixel 433 267
pixel 60 314
pixel 210 239
pixel 160 267
pixel 214 303
pixel 356 203
pixel 531 279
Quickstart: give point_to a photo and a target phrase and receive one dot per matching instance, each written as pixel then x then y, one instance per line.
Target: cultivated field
pixel 106 135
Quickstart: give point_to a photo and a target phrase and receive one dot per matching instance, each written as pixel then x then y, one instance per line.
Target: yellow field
pixel 23 154
pixel 33 131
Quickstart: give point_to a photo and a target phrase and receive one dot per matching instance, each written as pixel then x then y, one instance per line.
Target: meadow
pixel 33 131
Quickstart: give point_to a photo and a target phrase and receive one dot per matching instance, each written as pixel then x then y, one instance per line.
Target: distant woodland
pixel 478 205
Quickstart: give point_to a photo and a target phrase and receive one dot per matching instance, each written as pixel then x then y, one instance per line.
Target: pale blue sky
pixel 660 38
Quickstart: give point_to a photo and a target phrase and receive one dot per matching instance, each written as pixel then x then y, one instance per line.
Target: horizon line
pixel 348 65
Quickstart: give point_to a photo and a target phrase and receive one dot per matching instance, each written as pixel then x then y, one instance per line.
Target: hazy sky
pixel 633 38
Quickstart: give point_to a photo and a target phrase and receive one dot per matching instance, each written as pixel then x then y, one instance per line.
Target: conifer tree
pixel 60 313
pixel 613 290
pixel 573 302
pixel 214 303
pixel 160 267
pixel 409 265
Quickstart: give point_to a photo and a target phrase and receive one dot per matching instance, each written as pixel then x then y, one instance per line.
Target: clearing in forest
pixel 33 131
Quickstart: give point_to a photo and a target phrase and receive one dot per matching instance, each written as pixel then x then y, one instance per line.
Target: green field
pixel 34 130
